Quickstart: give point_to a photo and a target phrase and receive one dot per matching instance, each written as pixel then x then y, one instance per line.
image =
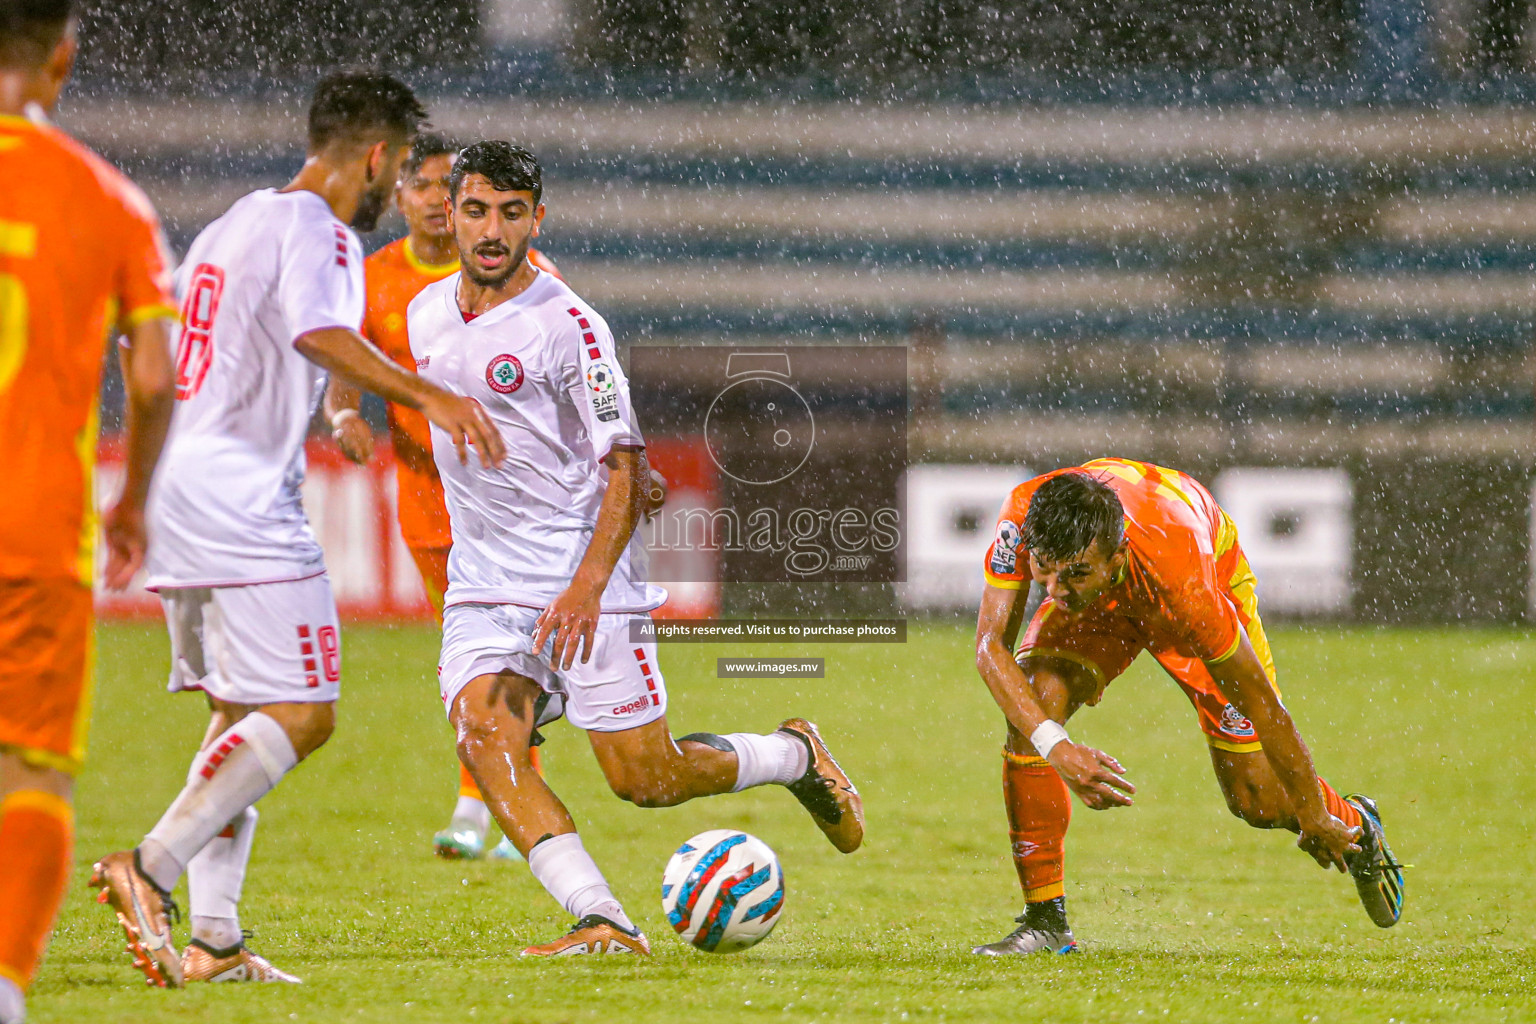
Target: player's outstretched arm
pixel 571 618
pixel 149 376
pixel 1242 678
pixel 343 409
pixel 347 354
pixel 1096 777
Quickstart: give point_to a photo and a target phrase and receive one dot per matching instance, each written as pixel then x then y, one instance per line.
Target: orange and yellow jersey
pixel 80 251
pixel 1176 588
pixel 394 276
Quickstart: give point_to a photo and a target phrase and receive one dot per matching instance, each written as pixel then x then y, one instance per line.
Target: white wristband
pixel 341 416
pixel 1047 736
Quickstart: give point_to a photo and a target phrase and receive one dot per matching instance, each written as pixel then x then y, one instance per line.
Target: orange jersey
pixel 80 251
pixel 1175 593
pixel 394 277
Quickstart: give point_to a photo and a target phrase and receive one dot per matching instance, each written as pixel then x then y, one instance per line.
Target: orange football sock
pixel 1039 810
pixel 1339 807
pixel 36 833
pixel 467 785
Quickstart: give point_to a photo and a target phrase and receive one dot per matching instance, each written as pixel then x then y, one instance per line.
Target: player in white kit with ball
pixel 271 297
pixel 544 550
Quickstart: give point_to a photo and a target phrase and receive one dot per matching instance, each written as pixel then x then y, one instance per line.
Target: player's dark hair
pixel 1068 513
pixel 507 167
pixel 426 146
pixel 30 29
pixel 363 105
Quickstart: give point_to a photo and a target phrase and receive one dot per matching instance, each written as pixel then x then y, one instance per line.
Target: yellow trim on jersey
pixel 1028 759
pixel 1000 583
pixel 37 757
pixel 1076 659
pixel 90 520
pixel 153 311
pixel 416 264
pixel 50 804
pixel 18 239
pixel 1237 641
pixel 1235 748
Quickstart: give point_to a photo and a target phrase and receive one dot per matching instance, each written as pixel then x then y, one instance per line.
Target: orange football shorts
pixel 47 655
pixel 1105 643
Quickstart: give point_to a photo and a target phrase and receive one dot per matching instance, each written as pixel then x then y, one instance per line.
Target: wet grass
pixel 1184 913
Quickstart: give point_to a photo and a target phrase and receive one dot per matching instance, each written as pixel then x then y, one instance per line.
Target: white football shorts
pixel 265 643
pixel 620 688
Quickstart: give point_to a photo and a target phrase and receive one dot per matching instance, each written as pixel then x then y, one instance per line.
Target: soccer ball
pixel 723 890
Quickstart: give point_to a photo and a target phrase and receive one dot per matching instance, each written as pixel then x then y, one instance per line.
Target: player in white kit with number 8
pixel 271 297
pixel 544 550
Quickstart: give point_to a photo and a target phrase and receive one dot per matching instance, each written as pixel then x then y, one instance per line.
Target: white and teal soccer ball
pixel 723 891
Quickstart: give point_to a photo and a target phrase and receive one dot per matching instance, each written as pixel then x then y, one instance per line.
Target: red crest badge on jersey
pixel 504 374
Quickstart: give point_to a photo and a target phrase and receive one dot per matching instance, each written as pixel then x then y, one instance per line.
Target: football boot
pixel 144 910
pixel 1377 874
pixel 201 962
pixel 594 934
pixel 826 791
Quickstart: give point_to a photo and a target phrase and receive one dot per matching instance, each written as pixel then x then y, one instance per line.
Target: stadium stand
pixel 1277 284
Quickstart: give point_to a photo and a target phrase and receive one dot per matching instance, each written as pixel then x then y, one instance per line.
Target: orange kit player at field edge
pixel 76 255
pixel 1098 563
pixel 80 253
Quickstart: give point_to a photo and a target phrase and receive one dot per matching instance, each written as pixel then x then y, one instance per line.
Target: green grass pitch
pixel 1184 913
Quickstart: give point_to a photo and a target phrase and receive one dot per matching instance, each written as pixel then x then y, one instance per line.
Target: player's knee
pixel 310 733
pixel 480 736
pixel 643 790
pixel 1252 805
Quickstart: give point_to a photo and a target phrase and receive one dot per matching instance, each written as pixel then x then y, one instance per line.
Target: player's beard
pixel 493 281
pixel 370 206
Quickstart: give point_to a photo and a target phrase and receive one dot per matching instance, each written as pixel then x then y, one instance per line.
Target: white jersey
pixel 225 507
pixel 543 367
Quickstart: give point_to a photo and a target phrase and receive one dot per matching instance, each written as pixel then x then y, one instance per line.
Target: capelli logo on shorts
pixel 630 708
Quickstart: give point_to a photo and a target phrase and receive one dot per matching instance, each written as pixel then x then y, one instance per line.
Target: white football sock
pixel 777 757
pixel 13 1005
pixel 471 811
pixel 569 874
pixel 216 932
pixel 232 773
pixel 215 877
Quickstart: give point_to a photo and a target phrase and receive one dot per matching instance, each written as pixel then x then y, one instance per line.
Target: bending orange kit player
pixel 1126 557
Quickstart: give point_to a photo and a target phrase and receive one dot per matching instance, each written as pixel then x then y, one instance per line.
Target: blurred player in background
pixel 394 275
pixel 80 254
pixel 545 550
pixel 271 298
pixel 1128 557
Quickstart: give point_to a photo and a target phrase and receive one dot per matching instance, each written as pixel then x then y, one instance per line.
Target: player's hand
pixel 467 424
pixel 353 436
pixel 1098 779
pixel 127 540
pixel 656 496
pixel 571 619
pixel 1328 840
